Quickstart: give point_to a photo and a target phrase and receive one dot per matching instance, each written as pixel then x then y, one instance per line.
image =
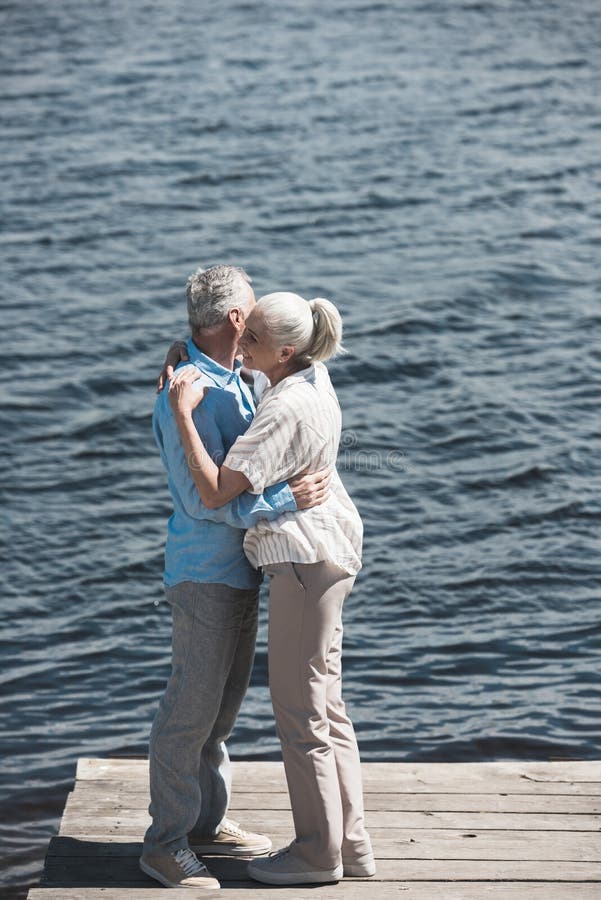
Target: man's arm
pixel 247 509
pixel 242 512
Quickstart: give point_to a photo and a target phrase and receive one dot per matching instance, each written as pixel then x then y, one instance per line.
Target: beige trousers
pixel 319 748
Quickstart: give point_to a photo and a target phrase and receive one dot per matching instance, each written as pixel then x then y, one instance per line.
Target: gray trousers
pixel 214 631
pixel 319 748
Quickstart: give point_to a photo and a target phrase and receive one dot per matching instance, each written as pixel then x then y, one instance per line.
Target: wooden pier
pixel 441 831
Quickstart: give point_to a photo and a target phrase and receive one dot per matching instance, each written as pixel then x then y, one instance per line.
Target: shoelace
pixel 233 828
pixel 189 863
pixel 279 853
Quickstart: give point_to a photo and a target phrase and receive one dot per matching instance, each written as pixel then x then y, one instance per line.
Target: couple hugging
pixel 255 490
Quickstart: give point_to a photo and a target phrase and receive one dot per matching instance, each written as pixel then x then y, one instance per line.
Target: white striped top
pixel 296 429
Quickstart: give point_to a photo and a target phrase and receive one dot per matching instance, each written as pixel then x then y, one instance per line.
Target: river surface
pixel 432 167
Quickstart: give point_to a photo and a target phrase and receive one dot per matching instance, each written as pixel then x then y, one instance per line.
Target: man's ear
pixel 236 318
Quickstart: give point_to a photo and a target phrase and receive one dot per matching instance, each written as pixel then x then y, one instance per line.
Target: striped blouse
pixel 296 429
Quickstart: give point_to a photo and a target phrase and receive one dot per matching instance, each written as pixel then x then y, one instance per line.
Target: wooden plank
pixel 92 872
pixel 588 770
pixel 459 831
pixel 394 787
pixel 345 891
pixel 389 777
pixel 493 845
pixel 100 796
pixel 381 837
pixel 82 822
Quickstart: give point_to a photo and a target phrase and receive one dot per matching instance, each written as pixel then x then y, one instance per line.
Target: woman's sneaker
pixel 362 867
pixel 232 841
pixel 285 868
pixel 178 869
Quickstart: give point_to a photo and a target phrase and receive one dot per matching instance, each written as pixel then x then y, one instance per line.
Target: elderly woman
pixel 311 557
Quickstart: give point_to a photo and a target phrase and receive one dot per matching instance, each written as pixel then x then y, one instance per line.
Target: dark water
pixel 434 168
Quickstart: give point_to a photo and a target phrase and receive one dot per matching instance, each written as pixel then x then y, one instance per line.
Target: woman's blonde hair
pixel 313 327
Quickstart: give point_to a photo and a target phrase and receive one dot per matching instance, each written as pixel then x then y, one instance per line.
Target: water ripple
pixel 438 178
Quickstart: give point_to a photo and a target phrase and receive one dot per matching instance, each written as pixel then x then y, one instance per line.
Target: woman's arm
pixel 216 486
pixel 178 352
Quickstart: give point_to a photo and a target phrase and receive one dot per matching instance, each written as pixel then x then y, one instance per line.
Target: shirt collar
pixel 307 374
pixel 218 373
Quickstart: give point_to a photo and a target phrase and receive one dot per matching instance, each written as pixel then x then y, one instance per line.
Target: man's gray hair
pixel 213 292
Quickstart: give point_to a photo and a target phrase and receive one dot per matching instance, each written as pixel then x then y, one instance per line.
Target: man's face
pixel 245 310
pixel 244 314
pixel 252 301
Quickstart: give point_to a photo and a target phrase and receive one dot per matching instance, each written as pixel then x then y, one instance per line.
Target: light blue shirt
pixel 205 545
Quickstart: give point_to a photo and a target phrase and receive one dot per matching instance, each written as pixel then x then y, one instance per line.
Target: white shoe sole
pixel 267 877
pixel 224 850
pixel 359 870
pixel 170 884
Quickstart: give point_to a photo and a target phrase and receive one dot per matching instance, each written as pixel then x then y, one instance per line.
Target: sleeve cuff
pixel 247 468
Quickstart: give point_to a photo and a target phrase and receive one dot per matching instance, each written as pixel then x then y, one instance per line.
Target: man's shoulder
pixel 162 405
pixel 200 368
pixel 162 414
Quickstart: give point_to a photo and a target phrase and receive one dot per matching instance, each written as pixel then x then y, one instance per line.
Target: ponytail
pixel 327 331
pixel 314 329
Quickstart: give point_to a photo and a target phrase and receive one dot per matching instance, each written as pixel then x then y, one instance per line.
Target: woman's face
pixel 258 351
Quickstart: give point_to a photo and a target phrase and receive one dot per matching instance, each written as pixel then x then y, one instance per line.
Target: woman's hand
pixel 184 396
pixel 176 354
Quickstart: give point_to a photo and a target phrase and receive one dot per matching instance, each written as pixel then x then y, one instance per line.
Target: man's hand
pixel 177 353
pixel 311 490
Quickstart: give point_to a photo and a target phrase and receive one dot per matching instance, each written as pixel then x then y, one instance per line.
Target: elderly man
pixel 213 593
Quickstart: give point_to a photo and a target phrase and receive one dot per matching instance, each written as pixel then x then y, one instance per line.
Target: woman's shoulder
pixel 314 378
pixel 304 391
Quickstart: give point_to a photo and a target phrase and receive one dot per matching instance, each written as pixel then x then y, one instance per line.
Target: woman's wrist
pixel 183 415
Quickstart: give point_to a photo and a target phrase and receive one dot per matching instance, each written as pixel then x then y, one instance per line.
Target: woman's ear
pixel 286 354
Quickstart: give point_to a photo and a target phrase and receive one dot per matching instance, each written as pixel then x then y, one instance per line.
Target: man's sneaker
pixel 178 869
pixel 362 867
pixel 285 868
pixel 232 841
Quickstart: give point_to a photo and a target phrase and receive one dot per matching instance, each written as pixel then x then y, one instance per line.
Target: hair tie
pixel 315 315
